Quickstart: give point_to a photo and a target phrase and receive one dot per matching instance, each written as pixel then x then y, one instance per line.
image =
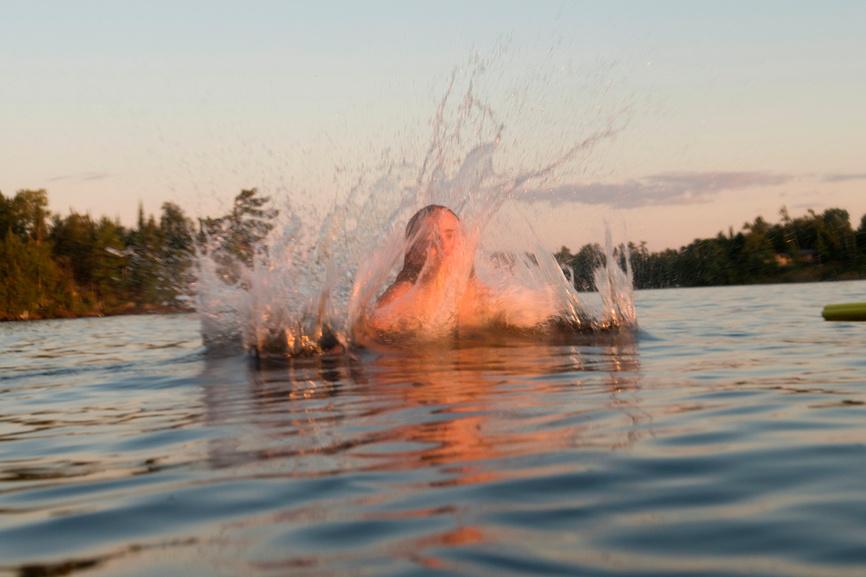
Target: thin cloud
pixel 80 177
pixel 843 177
pixel 664 189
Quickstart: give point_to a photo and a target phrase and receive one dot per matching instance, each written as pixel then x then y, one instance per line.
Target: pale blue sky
pixel 108 103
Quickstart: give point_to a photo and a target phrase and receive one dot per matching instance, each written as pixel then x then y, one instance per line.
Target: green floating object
pixel 845 312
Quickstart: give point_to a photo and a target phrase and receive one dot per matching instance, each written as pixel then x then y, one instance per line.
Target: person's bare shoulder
pixel 394 292
pixel 383 317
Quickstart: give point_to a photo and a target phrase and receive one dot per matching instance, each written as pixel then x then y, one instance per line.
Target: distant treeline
pixel 814 247
pixel 54 266
pixel 65 266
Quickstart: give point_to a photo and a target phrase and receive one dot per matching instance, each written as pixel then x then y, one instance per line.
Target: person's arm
pixel 476 304
pixel 390 307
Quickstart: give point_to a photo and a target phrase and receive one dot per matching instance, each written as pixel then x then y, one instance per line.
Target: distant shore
pixel 77 266
pixel 132 310
pixel 814 247
pixel 175 310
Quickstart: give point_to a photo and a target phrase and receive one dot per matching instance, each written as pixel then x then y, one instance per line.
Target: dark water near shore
pixel 728 437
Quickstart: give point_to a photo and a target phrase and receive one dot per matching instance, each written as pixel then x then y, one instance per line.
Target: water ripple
pixel 711 443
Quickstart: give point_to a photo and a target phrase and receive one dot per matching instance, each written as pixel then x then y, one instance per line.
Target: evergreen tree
pixel 861 236
pixel 73 240
pixel 248 224
pixel 30 281
pixel 234 240
pixel 836 237
pixel 144 245
pixel 178 252
pixel 25 214
pixel 587 259
pixel 109 262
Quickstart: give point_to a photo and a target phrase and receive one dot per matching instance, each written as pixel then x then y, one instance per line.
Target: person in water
pixel 437 281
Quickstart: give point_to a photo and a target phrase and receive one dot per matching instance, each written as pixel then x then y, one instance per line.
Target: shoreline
pixel 144 310
pixel 174 310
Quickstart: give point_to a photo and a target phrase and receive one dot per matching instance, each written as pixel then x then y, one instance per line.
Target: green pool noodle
pixel 845 312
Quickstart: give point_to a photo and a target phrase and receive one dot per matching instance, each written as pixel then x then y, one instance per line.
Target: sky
pixel 716 112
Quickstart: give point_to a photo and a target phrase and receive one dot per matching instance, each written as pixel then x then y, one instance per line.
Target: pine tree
pixel 178 252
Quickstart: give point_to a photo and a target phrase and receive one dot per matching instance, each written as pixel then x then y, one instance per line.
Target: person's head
pixel 432 233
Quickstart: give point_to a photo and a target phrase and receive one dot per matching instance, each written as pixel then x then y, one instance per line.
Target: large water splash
pixel 318 274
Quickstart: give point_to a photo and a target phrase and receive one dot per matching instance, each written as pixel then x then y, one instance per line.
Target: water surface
pixel 726 437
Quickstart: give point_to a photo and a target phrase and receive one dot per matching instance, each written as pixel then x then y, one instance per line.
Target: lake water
pixel 727 437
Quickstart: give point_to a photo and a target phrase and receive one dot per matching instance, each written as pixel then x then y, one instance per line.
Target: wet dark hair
pixel 418 240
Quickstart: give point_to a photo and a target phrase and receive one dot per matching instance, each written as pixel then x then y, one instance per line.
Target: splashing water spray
pixel 316 277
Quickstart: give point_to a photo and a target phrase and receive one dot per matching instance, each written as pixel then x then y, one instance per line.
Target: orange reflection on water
pixel 486 404
pixel 454 409
pixel 435 419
